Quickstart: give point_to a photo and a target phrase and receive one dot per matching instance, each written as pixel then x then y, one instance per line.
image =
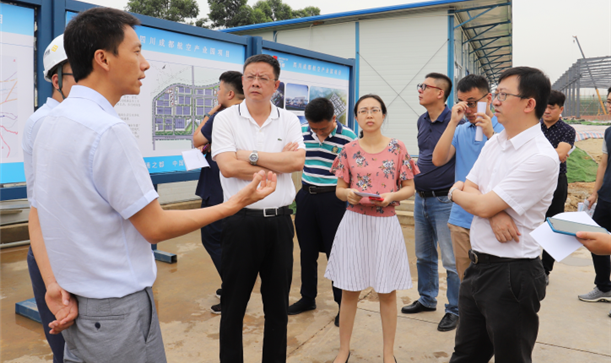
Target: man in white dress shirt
pixel 252 136
pixel 96 206
pixel 516 172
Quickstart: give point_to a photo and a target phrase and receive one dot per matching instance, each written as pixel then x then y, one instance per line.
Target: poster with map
pixel 16 87
pixel 304 79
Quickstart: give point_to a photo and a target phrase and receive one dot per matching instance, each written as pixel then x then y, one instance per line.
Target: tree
pixel 174 10
pixel 232 13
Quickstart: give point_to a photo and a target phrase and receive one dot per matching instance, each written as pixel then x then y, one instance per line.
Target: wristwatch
pixel 450 193
pixel 253 158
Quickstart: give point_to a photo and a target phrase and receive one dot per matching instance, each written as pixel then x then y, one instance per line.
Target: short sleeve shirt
pixel 32 125
pixel 90 179
pixel 557 133
pixel 234 129
pixel 374 173
pixel 523 172
pixel 604 193
pixel 467 151
pixel 209 185
pixel 320 155
pixel 433 177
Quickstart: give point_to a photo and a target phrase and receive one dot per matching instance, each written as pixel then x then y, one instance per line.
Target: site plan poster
pixel 304 79
pixel 17 87
pixel 179 89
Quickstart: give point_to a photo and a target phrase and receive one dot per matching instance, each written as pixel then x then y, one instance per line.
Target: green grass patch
pixel 580 167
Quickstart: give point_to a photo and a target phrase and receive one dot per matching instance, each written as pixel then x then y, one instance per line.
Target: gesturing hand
pixel 63 305
pixel 260 187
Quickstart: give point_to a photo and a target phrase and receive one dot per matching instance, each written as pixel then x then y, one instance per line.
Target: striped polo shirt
pixel 320 156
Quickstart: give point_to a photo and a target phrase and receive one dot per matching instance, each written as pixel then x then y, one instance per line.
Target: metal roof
pixel 487 25
pixel 579 72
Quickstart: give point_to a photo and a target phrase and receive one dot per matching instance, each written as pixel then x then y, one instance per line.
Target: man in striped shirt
pixel 319 211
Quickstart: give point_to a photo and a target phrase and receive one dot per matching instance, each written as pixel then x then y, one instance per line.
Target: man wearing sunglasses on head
pixel 432 207
pixel 461 141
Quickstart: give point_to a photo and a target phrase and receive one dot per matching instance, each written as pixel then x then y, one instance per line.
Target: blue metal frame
pixel 357 69
pixel 451 28
pixel 266 44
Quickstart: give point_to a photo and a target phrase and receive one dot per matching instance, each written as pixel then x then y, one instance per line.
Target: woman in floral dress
pixel 369 249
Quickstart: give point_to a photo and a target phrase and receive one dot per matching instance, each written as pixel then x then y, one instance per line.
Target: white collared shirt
pixel 32 125
pixel 234 129
pixel 523 171
pixel 90 178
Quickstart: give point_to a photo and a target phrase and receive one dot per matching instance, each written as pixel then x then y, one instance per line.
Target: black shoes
pixel 216 309
pixel 416 307
pixel 337 320
pixel 218 293
pixel 348 357
pixel 449 322
pixel 301 306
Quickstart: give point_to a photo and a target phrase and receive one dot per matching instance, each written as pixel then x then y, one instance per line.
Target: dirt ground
pixel 580 191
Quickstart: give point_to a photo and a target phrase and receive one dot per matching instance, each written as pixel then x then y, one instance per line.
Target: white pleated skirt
pixel 367 252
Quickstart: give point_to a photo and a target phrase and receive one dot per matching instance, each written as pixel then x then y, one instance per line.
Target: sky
pixel 542 30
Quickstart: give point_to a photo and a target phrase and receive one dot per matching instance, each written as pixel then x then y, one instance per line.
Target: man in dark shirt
pixel 602 216
pixel 208 188
pixel 562 137
pixel 432 206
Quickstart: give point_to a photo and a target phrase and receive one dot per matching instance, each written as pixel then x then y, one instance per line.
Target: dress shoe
pixel 449 322
pixel 301 306
pixel 347 358
pixel 416 307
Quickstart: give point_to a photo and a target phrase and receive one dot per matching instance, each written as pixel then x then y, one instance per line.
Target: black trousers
pixel 498 305
pixel 556 207
pixel 254 246
pixel 211 236
pixel 317 219
pixel 56 341
pixel 602 264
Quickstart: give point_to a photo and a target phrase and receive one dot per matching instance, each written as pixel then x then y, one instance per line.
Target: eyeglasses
pixel 423 86
pixel 373 111
pixel 472 104
pixel 502 96
pixel 263 79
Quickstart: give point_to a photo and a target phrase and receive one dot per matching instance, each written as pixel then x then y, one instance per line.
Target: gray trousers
pixel 115 330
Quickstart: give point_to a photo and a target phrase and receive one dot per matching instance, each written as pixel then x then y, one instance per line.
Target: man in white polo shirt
pixel 516 172
pixel 96 208
pixel 252 136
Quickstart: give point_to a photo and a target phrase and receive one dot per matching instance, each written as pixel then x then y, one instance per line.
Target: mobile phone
pixel 571 228
pixel 370 196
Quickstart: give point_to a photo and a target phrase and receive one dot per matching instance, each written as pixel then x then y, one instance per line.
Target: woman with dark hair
pixel 369 249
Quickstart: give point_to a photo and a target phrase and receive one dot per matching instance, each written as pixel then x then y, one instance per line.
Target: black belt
pixel 267 212
pixel 433 193
pixel 479 257
pixel 314 189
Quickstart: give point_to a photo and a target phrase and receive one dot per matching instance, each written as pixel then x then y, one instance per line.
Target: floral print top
pixel 374 173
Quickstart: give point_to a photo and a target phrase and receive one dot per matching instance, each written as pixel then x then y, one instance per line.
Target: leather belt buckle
pixel 311 190
pixel 473 257
pixel 274 210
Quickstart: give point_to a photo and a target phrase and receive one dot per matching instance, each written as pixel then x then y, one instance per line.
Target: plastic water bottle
pixel 479 132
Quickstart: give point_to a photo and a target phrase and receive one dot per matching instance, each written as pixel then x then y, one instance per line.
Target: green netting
pixel 580 167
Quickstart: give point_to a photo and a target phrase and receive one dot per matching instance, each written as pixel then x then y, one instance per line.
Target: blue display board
pixel 16 87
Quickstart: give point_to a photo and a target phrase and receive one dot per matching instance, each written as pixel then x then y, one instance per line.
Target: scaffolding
pixel 577 77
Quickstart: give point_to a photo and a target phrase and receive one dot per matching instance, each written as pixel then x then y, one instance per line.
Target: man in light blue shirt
pixel 96 211
pixel 57 70
pixel 459 140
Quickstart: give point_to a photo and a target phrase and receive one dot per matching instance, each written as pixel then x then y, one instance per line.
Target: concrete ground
pixel 570 330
